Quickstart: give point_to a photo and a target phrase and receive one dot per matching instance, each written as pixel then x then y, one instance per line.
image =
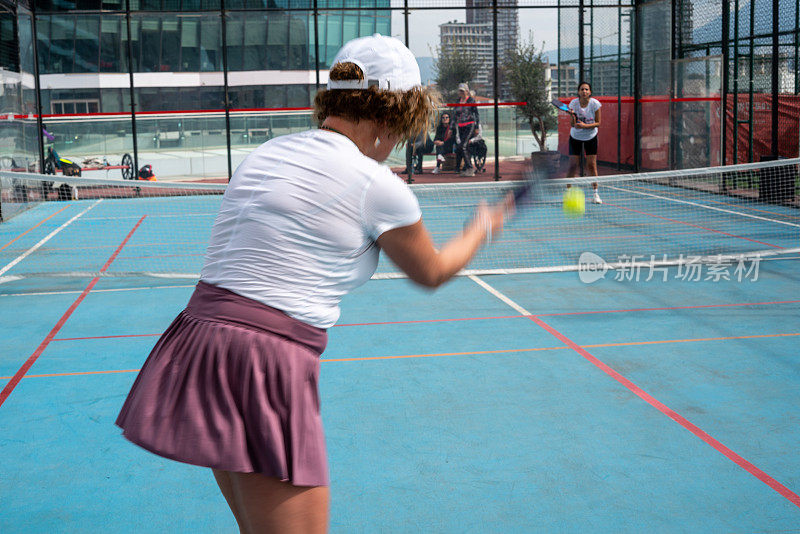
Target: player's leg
pixel 439 159
pixel 591 166
pixel 459 154
pixel 572 170
pixel 409 157
pixel 590 147
pixel 268 505
pixel 226 486
pixel 575 148
pixel 469 170
pixel 595 194
pixel 465 137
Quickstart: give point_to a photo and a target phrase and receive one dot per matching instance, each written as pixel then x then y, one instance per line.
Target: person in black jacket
pixel 444 140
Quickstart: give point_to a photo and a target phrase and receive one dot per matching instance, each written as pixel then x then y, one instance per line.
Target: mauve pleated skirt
pixel 232 385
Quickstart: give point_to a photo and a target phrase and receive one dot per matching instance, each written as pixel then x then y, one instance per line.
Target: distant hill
pixel 762 20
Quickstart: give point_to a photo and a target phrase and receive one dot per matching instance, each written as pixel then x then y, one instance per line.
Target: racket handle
pixel 522 192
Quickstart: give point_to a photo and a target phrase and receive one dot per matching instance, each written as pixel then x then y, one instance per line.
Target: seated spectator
pixel 444 140
pixel 422 145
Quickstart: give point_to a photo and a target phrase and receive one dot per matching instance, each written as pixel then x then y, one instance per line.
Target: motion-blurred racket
pixel 532 189
pixel 560 105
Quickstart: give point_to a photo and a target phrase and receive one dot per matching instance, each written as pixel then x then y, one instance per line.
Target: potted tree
pixel 525 70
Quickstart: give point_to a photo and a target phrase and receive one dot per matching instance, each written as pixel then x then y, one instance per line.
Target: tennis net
pixel 60 226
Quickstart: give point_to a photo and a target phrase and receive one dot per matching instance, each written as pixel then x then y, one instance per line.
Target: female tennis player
pixel 232 383
pixel 585 112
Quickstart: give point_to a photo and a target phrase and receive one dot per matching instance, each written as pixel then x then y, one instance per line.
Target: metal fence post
pixel 225 86
pixel 496 94
pixel 135 173
pixel 637 86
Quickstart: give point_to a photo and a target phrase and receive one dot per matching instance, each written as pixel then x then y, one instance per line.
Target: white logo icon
pixel 591 267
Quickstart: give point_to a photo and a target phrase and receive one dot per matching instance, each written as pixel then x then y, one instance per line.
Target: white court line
pixel 47 238
pixel 732 212
pixel 760 255
pixel 499 295
pixel 37 293
pixel 157 215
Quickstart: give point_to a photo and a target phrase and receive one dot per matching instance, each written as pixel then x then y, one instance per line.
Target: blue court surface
pixel 521 402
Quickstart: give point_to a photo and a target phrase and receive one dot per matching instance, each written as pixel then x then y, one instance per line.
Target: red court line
pixel 695 225
pixel 675 416
pixel 9 387
pixel 647 100
pixel 124 114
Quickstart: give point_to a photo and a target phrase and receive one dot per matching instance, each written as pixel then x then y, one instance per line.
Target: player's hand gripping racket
pixel 563 107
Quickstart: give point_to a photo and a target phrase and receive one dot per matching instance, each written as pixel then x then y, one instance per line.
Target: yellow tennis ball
pixel 574 202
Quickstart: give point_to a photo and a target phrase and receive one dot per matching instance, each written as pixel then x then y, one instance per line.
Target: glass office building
pixel 151 78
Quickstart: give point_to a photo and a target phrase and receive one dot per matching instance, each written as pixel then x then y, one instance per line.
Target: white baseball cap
pixel 385 62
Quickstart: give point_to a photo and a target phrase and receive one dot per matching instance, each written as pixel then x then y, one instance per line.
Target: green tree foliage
pixel 526 72
pixel 453 67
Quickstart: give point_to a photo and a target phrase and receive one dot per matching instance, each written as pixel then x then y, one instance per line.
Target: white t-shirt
pixel 585 115
pixel 298 222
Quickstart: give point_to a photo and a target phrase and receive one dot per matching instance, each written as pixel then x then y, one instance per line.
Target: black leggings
pixel 462 150
pixel 576 145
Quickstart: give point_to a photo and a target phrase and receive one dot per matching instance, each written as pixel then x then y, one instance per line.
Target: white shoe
pixel 435 171
pixel 440 157
pixel 596 198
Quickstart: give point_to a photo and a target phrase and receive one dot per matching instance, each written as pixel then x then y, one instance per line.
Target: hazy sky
pixel 424 27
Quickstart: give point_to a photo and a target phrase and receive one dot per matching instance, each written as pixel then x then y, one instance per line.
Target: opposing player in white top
pixel 586 114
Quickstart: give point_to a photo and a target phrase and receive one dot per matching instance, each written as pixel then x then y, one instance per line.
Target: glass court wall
pixel 191 87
